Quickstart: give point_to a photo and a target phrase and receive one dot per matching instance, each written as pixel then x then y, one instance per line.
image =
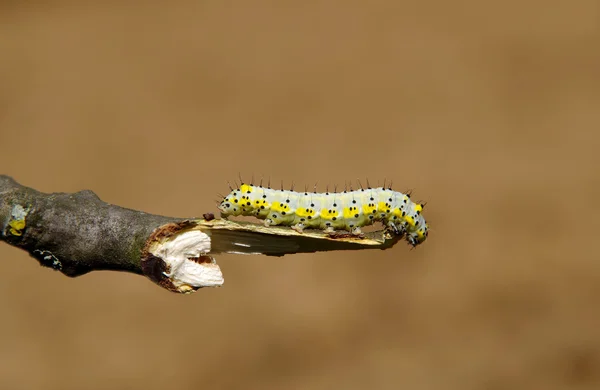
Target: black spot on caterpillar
pixel 330 211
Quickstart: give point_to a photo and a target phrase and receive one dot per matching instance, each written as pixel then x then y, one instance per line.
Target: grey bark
pixel 74 233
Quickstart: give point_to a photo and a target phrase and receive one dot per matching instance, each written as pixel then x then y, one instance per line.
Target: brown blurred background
pixel 489 112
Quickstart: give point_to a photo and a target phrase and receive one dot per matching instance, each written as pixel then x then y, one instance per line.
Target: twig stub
pixel 176 258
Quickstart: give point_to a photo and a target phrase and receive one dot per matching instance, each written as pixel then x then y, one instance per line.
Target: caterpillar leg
pixel 412 241
pixel 268 222
pixel 299 227
pixel 356 231
pixel 329 229
pixel 398 229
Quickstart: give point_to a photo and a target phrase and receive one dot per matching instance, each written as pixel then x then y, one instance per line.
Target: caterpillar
pixel 329 211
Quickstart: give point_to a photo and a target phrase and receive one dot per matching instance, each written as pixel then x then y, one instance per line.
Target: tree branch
pixel 78 233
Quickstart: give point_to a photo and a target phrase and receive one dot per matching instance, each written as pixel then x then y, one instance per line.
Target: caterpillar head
pixel 418 236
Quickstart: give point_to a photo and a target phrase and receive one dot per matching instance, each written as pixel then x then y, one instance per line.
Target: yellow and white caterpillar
pixel 330 211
